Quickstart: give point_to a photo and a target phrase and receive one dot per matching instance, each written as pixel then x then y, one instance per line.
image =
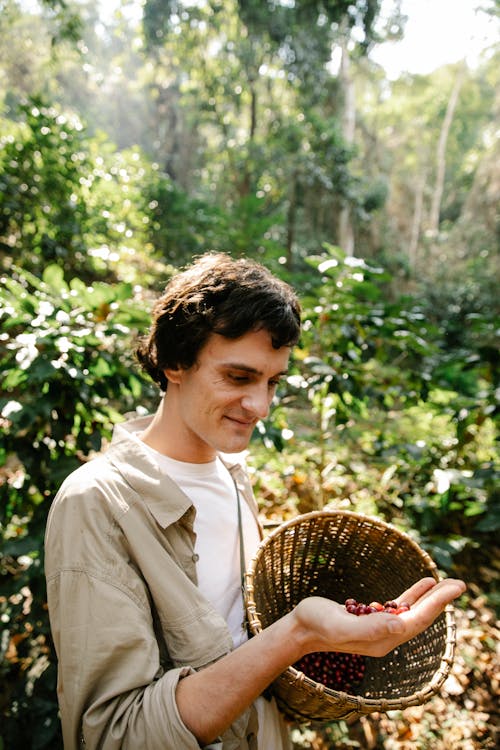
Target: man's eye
pixel 239 378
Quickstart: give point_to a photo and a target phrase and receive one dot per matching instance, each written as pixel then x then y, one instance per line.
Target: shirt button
pixel 195 557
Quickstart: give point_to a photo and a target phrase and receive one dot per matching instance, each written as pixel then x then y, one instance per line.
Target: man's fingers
pixel 443 593
pixel 417 590
pixel 427 599
pixel 445 590
pixel 431 604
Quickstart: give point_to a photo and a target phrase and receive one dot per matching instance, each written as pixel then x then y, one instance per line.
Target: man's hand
pixel 324 625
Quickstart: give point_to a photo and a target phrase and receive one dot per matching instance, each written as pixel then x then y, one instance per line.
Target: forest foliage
pixel 131 143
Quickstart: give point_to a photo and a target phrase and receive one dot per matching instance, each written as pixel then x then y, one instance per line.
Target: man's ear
pixel 173 374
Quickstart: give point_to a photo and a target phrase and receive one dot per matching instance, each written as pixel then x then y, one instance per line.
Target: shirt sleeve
pixel 113 693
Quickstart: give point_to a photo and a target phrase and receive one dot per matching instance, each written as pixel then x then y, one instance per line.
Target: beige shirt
pixel 127 617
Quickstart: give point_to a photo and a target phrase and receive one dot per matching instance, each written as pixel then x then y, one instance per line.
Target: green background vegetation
pixel 130 144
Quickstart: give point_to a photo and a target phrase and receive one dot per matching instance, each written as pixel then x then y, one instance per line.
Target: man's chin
pixel 239 439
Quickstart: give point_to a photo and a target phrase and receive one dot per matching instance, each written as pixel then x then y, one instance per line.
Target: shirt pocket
pixel 196 636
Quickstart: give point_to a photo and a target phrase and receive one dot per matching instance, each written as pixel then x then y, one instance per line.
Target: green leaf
pixel 14 378
pixel 101 368
pixel 53 276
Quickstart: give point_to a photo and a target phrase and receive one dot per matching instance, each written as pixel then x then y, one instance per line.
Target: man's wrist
pixel 297 635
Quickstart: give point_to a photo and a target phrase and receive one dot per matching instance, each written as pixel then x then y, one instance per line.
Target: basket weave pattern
pixel 341 554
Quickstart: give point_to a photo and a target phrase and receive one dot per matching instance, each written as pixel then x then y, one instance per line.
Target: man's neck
pixel 165 433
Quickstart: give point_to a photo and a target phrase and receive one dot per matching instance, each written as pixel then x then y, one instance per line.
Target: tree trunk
pixel 441 154
pixel 245 184
pixel 416 223
pixel 345 227
pixel 290 221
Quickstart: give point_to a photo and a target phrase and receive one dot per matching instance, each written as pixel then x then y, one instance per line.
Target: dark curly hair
pixel 216 294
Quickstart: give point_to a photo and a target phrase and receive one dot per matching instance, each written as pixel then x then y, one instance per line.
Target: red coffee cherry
pixel 391 607
pixel 333 669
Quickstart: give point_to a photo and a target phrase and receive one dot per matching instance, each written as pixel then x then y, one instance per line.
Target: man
pixel 146 543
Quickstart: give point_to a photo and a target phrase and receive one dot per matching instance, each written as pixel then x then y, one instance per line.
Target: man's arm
pixel 209 701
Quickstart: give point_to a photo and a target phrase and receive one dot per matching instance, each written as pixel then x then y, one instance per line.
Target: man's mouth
pixel 242 421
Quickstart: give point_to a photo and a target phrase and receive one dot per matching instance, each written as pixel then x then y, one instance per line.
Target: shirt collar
pixel 164 498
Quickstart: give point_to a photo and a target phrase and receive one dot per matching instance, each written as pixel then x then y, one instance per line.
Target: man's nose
pixel 257 401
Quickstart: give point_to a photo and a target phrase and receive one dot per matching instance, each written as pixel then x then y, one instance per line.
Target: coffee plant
pixel 67 375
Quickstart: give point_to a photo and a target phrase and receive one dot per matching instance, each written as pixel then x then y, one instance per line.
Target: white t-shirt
pixel 211 489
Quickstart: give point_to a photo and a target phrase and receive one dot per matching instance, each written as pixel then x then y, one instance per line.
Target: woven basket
pixel 341 554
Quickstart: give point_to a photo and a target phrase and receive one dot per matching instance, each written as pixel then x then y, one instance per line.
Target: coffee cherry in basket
pixel 333 669
pixel 339 671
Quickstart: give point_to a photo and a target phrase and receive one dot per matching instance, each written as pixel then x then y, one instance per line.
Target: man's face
pixel 215 405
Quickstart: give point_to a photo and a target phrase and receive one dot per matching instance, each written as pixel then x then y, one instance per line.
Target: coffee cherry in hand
pixel 358 608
